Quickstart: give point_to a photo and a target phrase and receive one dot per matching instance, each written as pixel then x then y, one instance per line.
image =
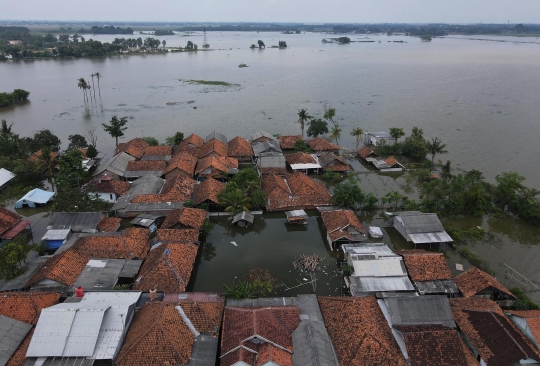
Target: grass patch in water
pixel 209 82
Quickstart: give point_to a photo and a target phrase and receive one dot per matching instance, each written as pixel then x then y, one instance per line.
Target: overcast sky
pixel 342 11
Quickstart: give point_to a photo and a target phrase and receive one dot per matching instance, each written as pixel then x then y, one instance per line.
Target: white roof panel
pixel 51 332
pixel 5 176
pixel 56 234
pixel 84 333
pixel 379 267
pixel 440 237
pixel 379 284
pixel 305 166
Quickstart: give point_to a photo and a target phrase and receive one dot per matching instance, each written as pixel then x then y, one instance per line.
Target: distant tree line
pixel 109 29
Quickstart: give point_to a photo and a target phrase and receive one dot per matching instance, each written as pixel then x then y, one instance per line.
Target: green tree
pixel 234 200
pixel 46 162
pixel 99 76
pixel 435 146
pixel 336 133
pixel 45 138
pixel 415 145
pixel 357 132
pixel 77 141
pixel 152 141
pixel 397 132
pixel 116 127
pixel 370 201
pixel 175 140
pixel 70 170
pixel 300 145
pixel 91 152
pixel 20 95
pixel 303 117
pixel 81 83
pixel 329 114
pixel 207 227
pixel 261 44
pixel 93 85
pixel 12 256
pixel 317 127
pixel 348 194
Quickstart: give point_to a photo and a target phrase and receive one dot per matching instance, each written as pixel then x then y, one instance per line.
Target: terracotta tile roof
pixel 475 280
pixel 194 140
pixel 287 142
pixel 300 158
pixel 337 222
pixel 433 345
pixel 425 266
pixel 532 317
pixel 157 336
pixel 270 324
pixel 167 268
pixel 329 160
pixel 213 145
pixel 162 150
pixel 199 297
pixel 109 224
pixel 240 355
pixel 217 164
pixel 295 190
pixel 36 157
pixel 206 316
pixel 359 332
pixel 391 161
pixel 270 353
pixel 178 235
pixel 188 149
pixel 208 191
pixel 365 152
pixel 134 147
pixel 26 306
pixel 498 341
pixel 239 147
pixel 183 161
pixel 320 144
pixel 63 268
pixel 185 217
pixel 141 165
pixel 8 219
pixel 118 187
pixel 277 171
pixel 177 189
pixel 469 355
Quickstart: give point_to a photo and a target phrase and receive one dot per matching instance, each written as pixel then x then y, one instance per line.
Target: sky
pixel 303 11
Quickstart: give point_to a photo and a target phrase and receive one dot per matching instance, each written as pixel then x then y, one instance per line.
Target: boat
pixel 375 232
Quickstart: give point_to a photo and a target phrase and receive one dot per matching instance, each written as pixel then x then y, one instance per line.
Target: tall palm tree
pixel 89 90
pixel 82 85
pixel 435 146
pixel 303 116
pixel 98 75
pixel 357 132
pixel 93 86
pixel 336 133
pixel 46 162
pixel 234 201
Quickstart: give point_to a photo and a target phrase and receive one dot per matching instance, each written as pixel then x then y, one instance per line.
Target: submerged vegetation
pixel 258 282
pixel 208 82
pixel 17 96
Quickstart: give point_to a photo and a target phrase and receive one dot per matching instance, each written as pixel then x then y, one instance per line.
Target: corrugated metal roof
pixel 69 329
pixel 12 333
pixel 439 237
pixel 102 274
pixel 437 287
pixel 420 223
pixel 304 166
pixel 362 285
pixel 153 206
pixel 386 267
pixel 142 173
pixel 312 345
pixel 116 164
pixel 244 216
pixel 76 221
pixel 420 310
pixel 266 147
pixel 204 351
pixel 296 213
pixel 148 184
pixel 37 195
pixel 5 176
pixel 56 234
pixel 272 161
pixel 216 135
pixel 258 134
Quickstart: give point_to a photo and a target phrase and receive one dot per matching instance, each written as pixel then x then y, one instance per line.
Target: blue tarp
pixel 54 244
pixel 35 196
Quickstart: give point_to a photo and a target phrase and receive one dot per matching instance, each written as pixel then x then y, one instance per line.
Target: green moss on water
pixel 208 82
pixel 523 302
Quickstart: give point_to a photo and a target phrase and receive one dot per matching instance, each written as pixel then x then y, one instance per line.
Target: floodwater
pixel 478 96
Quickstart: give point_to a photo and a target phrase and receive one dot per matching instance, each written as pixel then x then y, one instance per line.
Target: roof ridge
pixel 508 333
pixel 173 270
pixel 149 329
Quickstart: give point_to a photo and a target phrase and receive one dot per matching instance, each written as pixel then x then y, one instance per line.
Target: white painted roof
pixel 305 166
pixel 5 176
pixel 56 234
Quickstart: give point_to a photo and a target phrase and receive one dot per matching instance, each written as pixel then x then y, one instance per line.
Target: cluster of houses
pixel 390 164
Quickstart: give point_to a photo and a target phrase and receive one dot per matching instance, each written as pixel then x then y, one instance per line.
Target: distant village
pixel 113 293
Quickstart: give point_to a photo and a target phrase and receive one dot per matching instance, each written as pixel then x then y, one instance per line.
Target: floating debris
pixel 234 243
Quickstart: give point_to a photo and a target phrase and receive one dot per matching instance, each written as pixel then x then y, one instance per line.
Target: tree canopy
pixel 317 127
pixel 116 127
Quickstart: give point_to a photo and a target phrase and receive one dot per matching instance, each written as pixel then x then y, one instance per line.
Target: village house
pixel 87 163
pixel 420 228
pixel 12 224
pixel 330 161
pixel 183 236
pixel 107 188
pixel 270 147
pixel 297 217
pixel 258 336
pixel 35 198
pixel 359 331
pixel 148 184
pixel 14 42
pixel 477 283
pixel 375 268
pixel 139 168
pixel 62 224
pixel 87 329
pixel 342 226
pixel 5 177
pixel 213 147
pixel 19 313
pixel 240 149
pixel 36 157
pixel 320 144
pixel 109 224
pixel 429 272
pixel 192 140
pixel 493 338
pixel 272 164
pixel 287 142
pixel 304 162
pixel 219 167
pixel 184 218
pixel 187 332
pixel 260 136
pixel 148 221
pixel 389 164
pixel 217 136
pixel 243 219
pixel 528 321
pixel 114 167
pixel 378 138
pixel 135 148
pixel 294 191
pixel 162 152
pixel 183 164
pixel 207 192
pixel 367 154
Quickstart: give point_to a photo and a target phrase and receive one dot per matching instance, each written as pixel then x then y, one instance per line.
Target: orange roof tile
pixel 239 147
pixel 359 332
pixel 26 306
pixel 178 235
pixel 8 219
pixel 320 144
pixel 109 224
pixel 300 158
pixel 194 140
pixel 365 152
pixel 36 157
pixel 134 147
pixel 63 268
pixel 216 164
pixel 337 220
pixel 183 161
pixel 118 187
pixel 185 217
pixel 176 189
pixel 162 150
pixel 425 266
pixel 287 142
pixel 143 165
pixel 208 191
pixel 391 162
pixel 277 171
pixel 213 145
pixel 475 280
pixel 532 317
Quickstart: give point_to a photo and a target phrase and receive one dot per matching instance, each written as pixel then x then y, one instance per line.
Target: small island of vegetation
pixel 18 95
pixel 161 32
